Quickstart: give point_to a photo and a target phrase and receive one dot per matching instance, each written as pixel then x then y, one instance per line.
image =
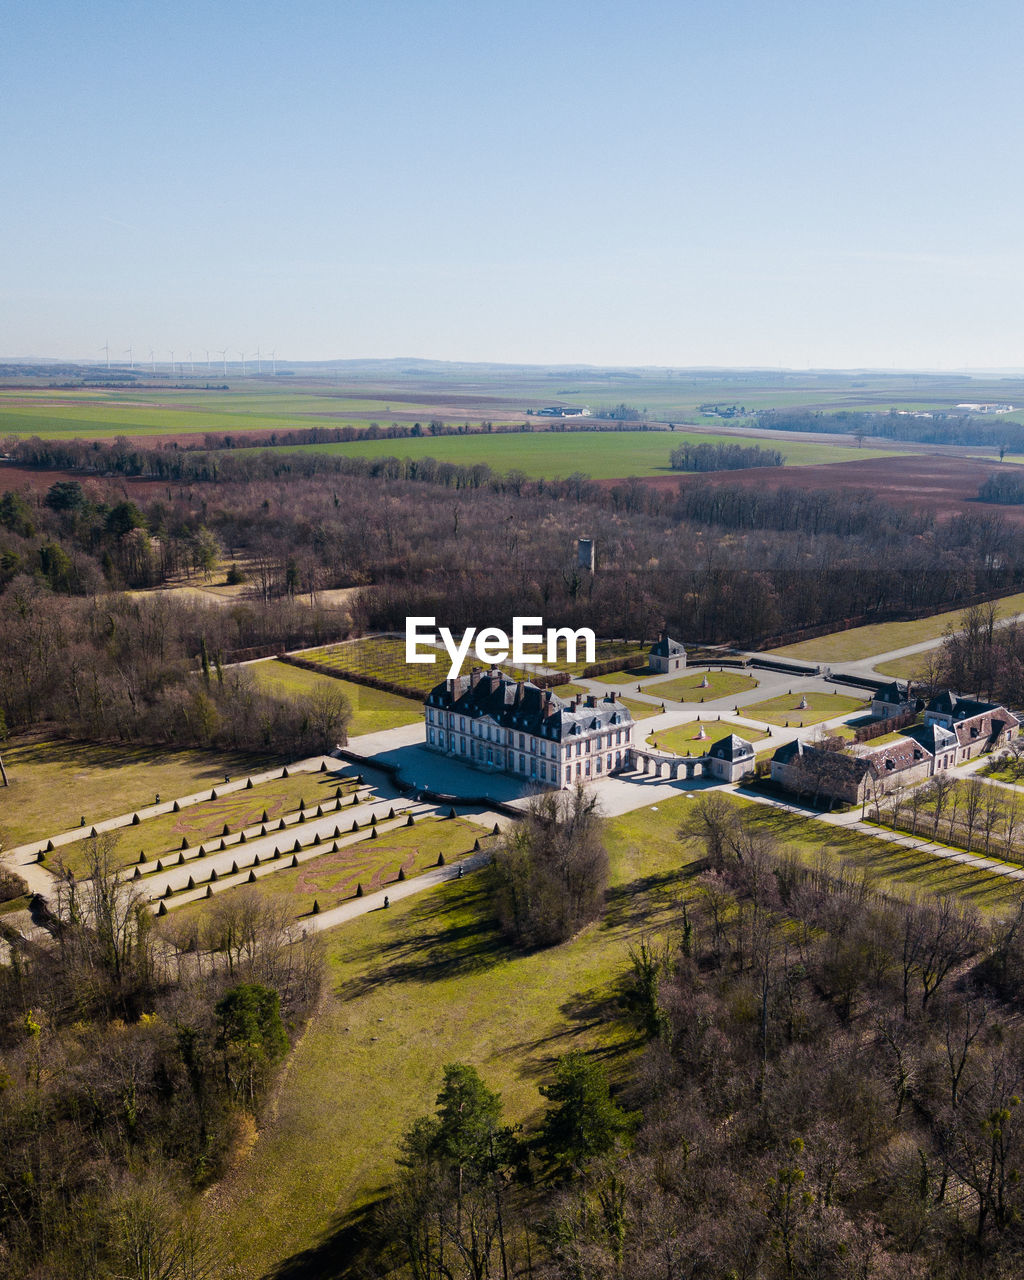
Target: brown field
pixel 934 482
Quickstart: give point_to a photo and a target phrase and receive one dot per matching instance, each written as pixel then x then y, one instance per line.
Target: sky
pixel 693 182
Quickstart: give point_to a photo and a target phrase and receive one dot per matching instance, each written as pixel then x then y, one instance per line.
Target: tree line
pixel 722 457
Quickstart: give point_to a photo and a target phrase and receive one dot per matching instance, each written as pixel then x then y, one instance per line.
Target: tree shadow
pixel 435 945
pixel 629 904
pixel 349 1249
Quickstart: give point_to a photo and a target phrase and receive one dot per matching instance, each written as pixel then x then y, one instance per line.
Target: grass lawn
pixel 909 668
pixel 820 706
pixel 332 878
pixel 683 739
pixel 372 709
pixel 893 865
pixel 602 455
pixel 53 784
pixel 202 823
pixel 640 710
pixel 628 675
pixel 721 684
pixel 428 982
pixel 883 637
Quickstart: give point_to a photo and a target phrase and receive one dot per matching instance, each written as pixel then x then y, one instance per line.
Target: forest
pixel 926 427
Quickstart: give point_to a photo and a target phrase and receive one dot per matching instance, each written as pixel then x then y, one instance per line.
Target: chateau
pixel 488 720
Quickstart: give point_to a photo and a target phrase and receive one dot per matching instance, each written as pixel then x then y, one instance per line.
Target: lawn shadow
pixel 350 1248
pixel 435 946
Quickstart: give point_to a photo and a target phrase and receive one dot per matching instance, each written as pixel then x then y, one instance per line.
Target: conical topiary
pixel 234 868
pixel 302 804
pixel 226 830
pixel 295 859
pixel 373 819
pixel 256 861
pixel 135 819
pixel 162 909
pixel 281 825
pixel 337 793
pixel 334 847
pixel 316 908
pixel 355 797
pixel 159 865
pixel 175 808
pixel 451 812
pixel 401 873
pixel 355 825
pixel 337 832
pixel 296 847
pixel 323 766
pixel 213 794
pixel 284 773
pixel 49 846
pixel 440 859
pixel 476 846
pixel 359 890
pixel 223 845
pixel 252 878
pixel 241 837
pixel 248 784
pixel 41 856
pixel 263 830
pixel 214 877
pixel 191 883
pixel 142 858
pixel 137 875
pixel 181 859
pixel 201 852
pixel 277 852
pixel 495 830
pixel 391 812
pixel 209 891
pixel 410 821
pixel 184 842
pixel 94 832
pixel 168 891
pixel 373 834
pixel 264 818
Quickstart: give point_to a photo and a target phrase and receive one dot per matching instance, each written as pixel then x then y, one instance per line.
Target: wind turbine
pixel 131 358
pixel 273 356
pixel 106 348
pixel 191 363
pixel 259 363
pixel 242 354
pixel 152 357
pixel 207 357
pixel 224 357
pixel 172 363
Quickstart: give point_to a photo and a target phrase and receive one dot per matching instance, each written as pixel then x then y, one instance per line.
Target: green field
pixel 785 709
pixel 884 637
pixel 721 684
pixel 602 456
pixel 683 739
pixel 909 668
pixel 372 709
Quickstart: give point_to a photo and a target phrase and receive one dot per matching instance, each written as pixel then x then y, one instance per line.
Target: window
pixel 543 770
pixel 522 764
pixel 431 737
pixel 462 745
pixel 608 761
pixel 430 716
pixel 462 723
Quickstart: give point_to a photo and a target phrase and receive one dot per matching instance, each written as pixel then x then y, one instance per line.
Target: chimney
pixel 474 677
pixel 549 704
pixel 495 678
pixel 519 692
pixel 591 700
pixel 612 696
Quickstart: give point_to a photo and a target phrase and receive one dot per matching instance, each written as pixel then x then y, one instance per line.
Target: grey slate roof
pixel 935 738
pixel 524 707
pixel 667 647
pixel 731 748
pixel 947 703
pixel 894 694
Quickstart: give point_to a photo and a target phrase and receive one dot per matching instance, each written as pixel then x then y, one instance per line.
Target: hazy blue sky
pixel 758 182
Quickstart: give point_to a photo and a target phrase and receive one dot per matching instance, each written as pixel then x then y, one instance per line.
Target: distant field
pixel 884 637
pixel 600 455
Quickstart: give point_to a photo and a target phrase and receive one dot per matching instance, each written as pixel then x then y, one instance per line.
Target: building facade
pixel 729 759
pixel 667 655
pixel 500 725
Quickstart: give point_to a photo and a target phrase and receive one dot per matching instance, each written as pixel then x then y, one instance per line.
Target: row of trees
pixel 933 427
pixel 723 457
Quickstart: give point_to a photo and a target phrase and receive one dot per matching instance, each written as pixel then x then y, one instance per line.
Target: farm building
pixel 667 655
pixel 978 726
pixel 501 725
